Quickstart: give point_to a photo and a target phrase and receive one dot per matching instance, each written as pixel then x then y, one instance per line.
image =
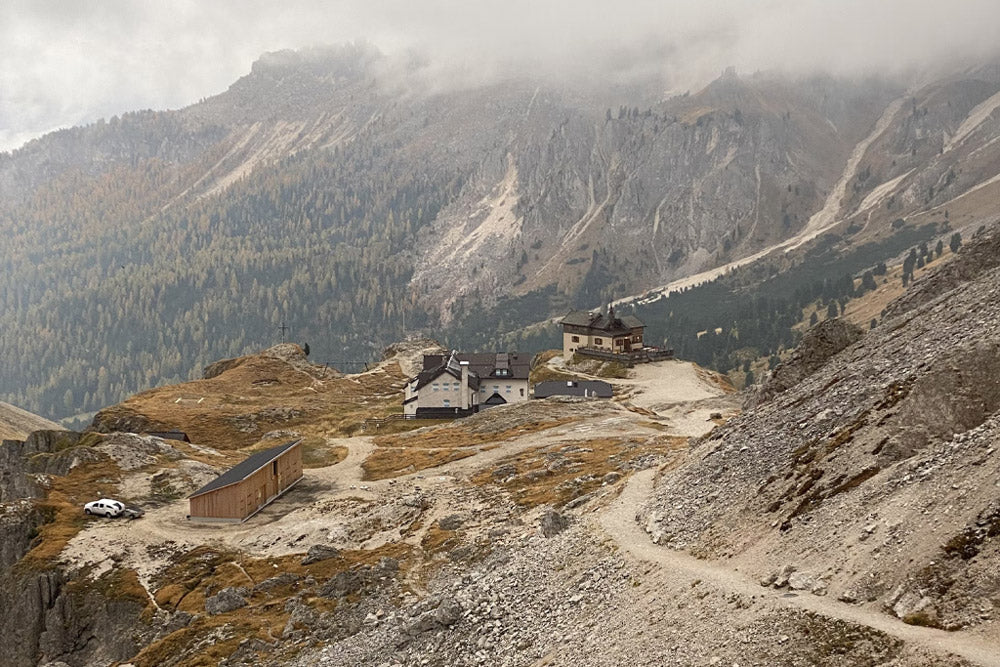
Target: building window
pixel 447 403
pixel 434 386
pixel 454 386
pixel 496 388
pixel 522 391
pixel 575 339
pixel 598 341
pixel 508 389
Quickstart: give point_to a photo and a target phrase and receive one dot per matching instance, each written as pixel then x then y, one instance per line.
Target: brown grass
pixel 334 406
pixel 386 463
pixel 184 584
pixel 405 453
pixel 437 540
pixel 460 435
pixel 542 372
pixel 63 506
pixel 318 453
pixel 711 377
pixel 556 474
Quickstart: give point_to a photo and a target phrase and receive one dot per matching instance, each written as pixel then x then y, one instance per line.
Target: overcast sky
pixel 70 62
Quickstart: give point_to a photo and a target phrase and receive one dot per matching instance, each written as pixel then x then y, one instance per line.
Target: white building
pixel 461 384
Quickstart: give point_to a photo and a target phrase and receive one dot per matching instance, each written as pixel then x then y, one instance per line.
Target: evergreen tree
pixel 956 242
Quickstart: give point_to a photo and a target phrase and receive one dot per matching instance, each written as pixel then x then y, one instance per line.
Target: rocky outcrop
pixel 48 617
pixel 23 463
pixel 19 522
pixel 118 419
pixel 889 447
pixel 818 345
pixel 219 367
pixel 226 600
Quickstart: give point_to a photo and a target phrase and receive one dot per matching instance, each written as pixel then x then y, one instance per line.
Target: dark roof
pixel 495 399
pixel 427 376
pixel 608 324
pixel 486 364
pixel 249 466
pixel 573 388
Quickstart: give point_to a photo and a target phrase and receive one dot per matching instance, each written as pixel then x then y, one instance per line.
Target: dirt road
pixel 618 521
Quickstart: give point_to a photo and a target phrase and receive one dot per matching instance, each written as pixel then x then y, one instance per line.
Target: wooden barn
pixel 245 489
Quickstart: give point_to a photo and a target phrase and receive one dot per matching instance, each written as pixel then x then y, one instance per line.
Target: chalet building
pixel 596 331
pixel 460 384
pixel 245 489
pixel 585 388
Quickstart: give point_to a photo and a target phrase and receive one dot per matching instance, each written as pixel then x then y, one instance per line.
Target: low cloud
pixel 64 63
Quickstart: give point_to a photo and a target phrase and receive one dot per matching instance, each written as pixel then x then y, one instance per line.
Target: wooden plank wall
pixel 238 501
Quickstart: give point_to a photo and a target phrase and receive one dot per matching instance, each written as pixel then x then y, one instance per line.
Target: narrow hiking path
pixel 618 521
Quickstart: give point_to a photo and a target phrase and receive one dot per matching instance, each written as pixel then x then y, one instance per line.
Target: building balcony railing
pixel 642 356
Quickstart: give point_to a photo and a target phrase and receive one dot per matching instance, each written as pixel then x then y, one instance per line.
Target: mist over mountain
pixel 65 64
pixel 334 190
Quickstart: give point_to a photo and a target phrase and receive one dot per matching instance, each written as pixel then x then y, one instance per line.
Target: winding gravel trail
pixel 619 522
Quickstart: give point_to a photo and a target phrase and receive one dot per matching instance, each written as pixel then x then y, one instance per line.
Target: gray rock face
pixel 342 585
pixel 552 523
pixel 42 452
pixel 228 599
pixel 283 579
pixel 318 552
pixel 448 612
pixel 818 345
pixel 19 521
pixel 42 621
pixel 889 447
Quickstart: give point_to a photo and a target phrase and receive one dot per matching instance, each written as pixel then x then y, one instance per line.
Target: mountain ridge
pixel 322 189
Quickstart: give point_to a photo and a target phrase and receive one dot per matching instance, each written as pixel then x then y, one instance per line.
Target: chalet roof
pixel 428 375
pixel 573 388
pixel 249 466
pixel 509 365
pixel 608 324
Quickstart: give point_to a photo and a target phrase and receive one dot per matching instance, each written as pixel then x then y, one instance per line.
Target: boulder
pixel 226 600
pixel 552 523
pixel 318 552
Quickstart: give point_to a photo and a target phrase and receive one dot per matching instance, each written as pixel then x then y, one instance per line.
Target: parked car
pixel 104 507
pixel 133 512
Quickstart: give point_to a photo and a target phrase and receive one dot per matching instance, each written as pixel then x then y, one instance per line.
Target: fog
pixel 64 63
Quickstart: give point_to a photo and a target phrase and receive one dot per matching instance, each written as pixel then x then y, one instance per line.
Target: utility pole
pixel 283 329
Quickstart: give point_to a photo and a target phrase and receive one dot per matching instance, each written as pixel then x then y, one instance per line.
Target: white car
pixel 104 507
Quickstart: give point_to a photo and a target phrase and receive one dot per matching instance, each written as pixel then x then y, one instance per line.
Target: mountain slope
pixel 16 424
pixel 874 478
pixel 324 190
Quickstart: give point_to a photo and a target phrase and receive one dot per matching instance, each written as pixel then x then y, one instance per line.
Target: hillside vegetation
pixel 317 193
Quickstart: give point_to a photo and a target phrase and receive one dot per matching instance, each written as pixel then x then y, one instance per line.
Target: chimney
pixel 465 385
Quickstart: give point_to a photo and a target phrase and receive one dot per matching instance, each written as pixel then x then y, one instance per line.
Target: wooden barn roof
pixel 249 466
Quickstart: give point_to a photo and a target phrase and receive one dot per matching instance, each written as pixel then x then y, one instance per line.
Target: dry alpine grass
pixel 236 408
pixel 406 453
pixel 63 507
pixel 208 640
pixel 556 474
